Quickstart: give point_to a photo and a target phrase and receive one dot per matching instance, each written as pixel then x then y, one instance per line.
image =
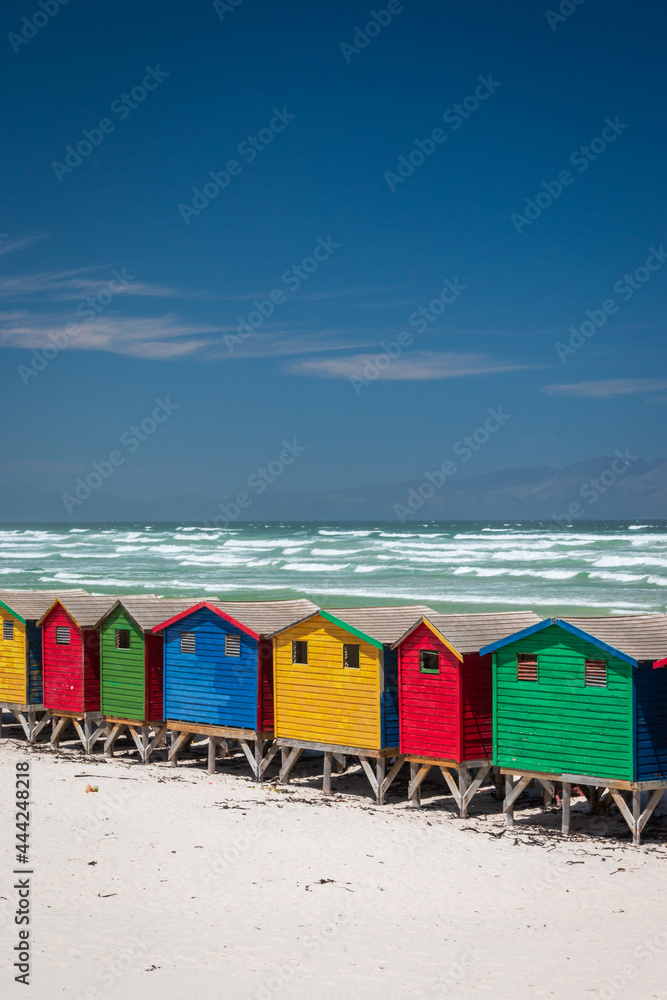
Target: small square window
pixel 187 642
pixel 429 661
pixel 351 655
pixel 526 667
pixel 300 652
pixel 122 638
pixel 62 635
pixel 232 644
pixel 595 674
pixel 7 629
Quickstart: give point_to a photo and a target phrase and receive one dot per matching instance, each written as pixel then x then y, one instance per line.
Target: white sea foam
pixel 304 567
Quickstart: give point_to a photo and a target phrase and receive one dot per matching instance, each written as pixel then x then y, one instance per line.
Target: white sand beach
pixel 169 882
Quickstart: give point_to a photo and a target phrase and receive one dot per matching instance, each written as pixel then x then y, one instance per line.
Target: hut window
pixel 187 642
pixel 7 630
pixel 62 635
pixel 299 651
pixel 122 638
pixel 233 644
pixel 596 674
pixel 351 655
pixel 429 661
pixel 526 667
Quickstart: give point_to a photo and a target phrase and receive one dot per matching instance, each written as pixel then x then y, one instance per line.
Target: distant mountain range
pixel 600 488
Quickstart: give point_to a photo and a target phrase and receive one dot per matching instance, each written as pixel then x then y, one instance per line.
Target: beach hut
pixel 71 665
pixel 336 689
pixel 218 675
pixel 445 698
pixel 579 700
pixel 131 662
pixel 21 656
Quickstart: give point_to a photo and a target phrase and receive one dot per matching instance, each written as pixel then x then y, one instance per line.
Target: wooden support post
pixel 464 782
pixel 58 727
pixel 268 757
pixel 498 781
pixel 380 768
pixel 87 734
pixel 259 752
pixel 567 788
pixel 593 798
pixel 414 788
pixel 212 746
pixel 288 763
pixel 509 809
pixel 340 763
pixel 326 778
pixel 636 816
pixel 284 756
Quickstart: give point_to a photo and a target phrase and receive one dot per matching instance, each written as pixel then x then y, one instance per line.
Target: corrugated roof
pixel 87 610
pixel 32 604
pixel 267 617
pixel 469 633
pixel 643 637
pixel 385 625
pixel 151 611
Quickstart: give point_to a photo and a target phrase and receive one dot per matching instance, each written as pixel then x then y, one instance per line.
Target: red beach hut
pixel 446 697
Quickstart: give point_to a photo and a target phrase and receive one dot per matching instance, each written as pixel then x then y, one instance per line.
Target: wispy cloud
pixel 607 388
pixel 14 244
pixel 156 338
pixel 77 283
pixel 416 367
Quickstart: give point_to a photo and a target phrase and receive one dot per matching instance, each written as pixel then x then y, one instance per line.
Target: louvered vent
pixel 7 629
pixel 122 638
pixel 233 644
pixel 62 635
pixel 526 667
pixel 187 642
pixel 596 673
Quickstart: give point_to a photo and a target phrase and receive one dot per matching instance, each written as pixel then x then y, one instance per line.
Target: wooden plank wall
pixel 91 670
pixel 122 671
pixel 430 703
pixel 324 702
pixel 34 649
pixel 557 724
pixel 63 664
pixel 207 686
pixel 13 671
pixel 477 709
pixel 651 725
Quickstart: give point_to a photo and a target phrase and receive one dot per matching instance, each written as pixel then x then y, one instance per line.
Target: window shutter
pixel 300 651
pixel 187 642
pixel 351 655
pixel 429 661
pixel 526 667
pixel 596 673
pixel 232 644
pixel 7 629
pixel 122 638
pixel 62 635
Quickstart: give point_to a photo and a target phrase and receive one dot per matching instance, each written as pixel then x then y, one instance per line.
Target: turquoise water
pixel 592 568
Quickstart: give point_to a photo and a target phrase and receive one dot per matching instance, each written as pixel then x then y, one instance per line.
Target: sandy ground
pixel 172 883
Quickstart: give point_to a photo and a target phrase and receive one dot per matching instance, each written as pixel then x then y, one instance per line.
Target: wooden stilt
pixel 288 764
pixel 636 816
pixel 414 788
pixel 508 804
pixel 340 763
pixel 212 745
pixel 464 782
pixel 326 779
pixel 567 787
pixel 498 781
pixel 380 768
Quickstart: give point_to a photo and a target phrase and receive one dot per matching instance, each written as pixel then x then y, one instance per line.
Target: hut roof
pixel 634 638
pixel 260 618
pixel 150 611
pixel 30 605
pixel 86 610
pixel 469 633
pixel 379 625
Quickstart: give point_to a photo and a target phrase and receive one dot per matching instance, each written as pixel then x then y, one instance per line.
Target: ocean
pixel 617 567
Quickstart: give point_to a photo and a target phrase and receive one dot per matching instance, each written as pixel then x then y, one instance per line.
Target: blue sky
pixel 305 116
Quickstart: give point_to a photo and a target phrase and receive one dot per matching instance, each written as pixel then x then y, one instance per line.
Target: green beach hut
pixel 580 700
